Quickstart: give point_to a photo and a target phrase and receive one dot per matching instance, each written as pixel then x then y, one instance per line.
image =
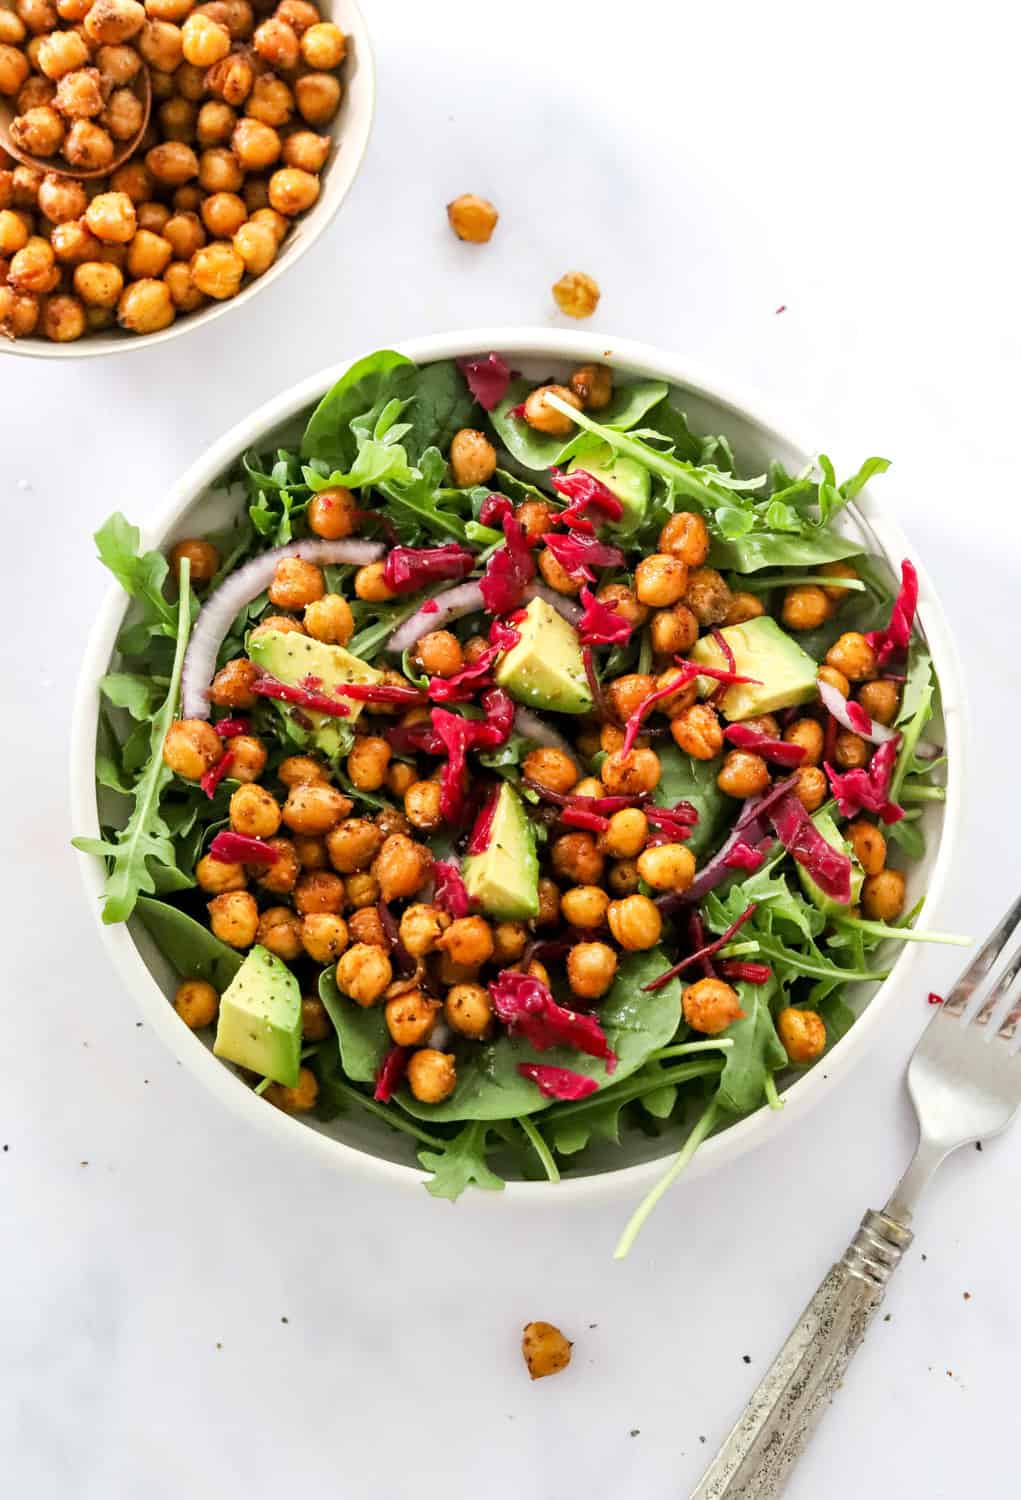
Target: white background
pixel 188 1310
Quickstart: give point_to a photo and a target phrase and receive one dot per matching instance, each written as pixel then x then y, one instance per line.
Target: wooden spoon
pixel 59 165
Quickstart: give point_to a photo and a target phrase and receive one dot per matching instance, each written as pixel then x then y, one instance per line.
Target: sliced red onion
pixel 853 716
pixel 531 727
pixel 571 611
pixel 222 608
pixel 440 1036
pixel 465 599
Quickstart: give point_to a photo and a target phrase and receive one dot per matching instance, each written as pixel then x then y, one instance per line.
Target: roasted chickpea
pixel 236 15
pixel 148 254
pixel 630 775
pixel 367 763
pixel 255 145
pixel 172 163
pixel 330 513
pixel 803 1033
pixel 708 596
pixel 371 585
pixel 232 685
pixel 220 171
pixel 223 214
pixel 306 150
pixel 217 876
pixel 837 570
pixel 117 65
pixel 145 307
pixel 850 751
pixel 627 694
pixel 314 807
pixel 298 14
pixel 550 768
pixel 585 906
pixel 591 969
pixel 667 867
pixel 593 385
pixel 300 770
pixel 185 233
pixel 807 733
pixel 323 46
pixel 203 41
pixel 402 867
pixel 63 319
pixel 218 270
pixel 432 1075
pixel 61 52
pixel 231 80
pixel 319 891
pixel 743 607
pixel 74 243
pixel 576 857
pixel 234 917
pixel 12 29
pixel 509 942
pixel 254 811
pixel 623 878
pixel 111 218
pixel 33 269
pixel 698 732
pixel 19 312
pixel 422 805
pixel 324 936
pixel 329 619
pixel 549 902
pixel 469 1010
pixel 315 1020
pixel 79 96
pixel 635 922
pixel 624 602
pixel 60 199
pixel 108 22
pixel 189 81
pixel 34 93
pixel 852 655
pixel 184 294
pixel 399 777
pixel 626 835
pixel 365 926
pixel 545 418
pixel 168 10
pixel 353 845
pixel 661 580
pixel 279 930
pixel 470 217
pixel 177 119
pixel 804 607
pixel 197 1003
pixel 685 695
pixel 191 748
pixel 277 44
pixel 545 1350
pixel 296 1101
pixel 868 843
pixel 883 896
pixel 589 786
pixel 249 758
pixel 280 877
pixel 686 536
pixel 576 294
pixel 292 191
pixel 38 131
pixel 311 851
pixel 13 232
pixel 835 679
pixel 743 774
pixel 272 102
pixel 187 199
pixel 26 181
pixel 421 928
pixel 472 456
pixel 811 788
pixel 468 941
pixel 710 1006
pixel 363 973
pixel 439 654
pixel 879 699
pixel 410 1017
pixel 556 575
pixel 674 631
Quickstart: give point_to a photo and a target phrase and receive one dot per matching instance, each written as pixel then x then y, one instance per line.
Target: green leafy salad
pixel 515 771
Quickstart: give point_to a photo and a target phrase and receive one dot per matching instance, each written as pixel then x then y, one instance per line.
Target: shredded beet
pixel 676 822
pixel 860 721
pixel 601 625
pixel 311 681
pixel 239 849
pixel 701 953
pixel 455 735
pixel 428 607
pixel 724 645
pixel 595 687
pixel 782 752
pixel 451 895
pixel 830 868
pixel 693 669
pixel 578 553
pixel 584 490
pixel 558 1083
pixel 269 687
pixel 409 739
pixel 211 780
pixel 494 730
pixel 527 1009
pixel 868 790
pixel 743 857
pixel 391 1073
pixel 462 686
pixel 488 378
pixel 896 637
pixel 734 968
pixel 697 942
pixel 935 999
pixel 584 817
pixel 380 692
pixel 607 806
pixel 829 743
pixel 408 569
pixel 493 510
pixel 509 571
pixel 633 727
pixel 229 729
pixel 483 830
pixel 503 635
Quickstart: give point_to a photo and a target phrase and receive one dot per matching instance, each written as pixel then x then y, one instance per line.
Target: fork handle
pixel 756 1459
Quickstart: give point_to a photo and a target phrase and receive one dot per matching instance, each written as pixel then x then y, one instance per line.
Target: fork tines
pixel 995 1006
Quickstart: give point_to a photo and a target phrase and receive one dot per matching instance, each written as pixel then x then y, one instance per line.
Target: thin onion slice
pixel 853 716
pixel 222 608
pixel 465 599
pixel 571 611
pixel 531 727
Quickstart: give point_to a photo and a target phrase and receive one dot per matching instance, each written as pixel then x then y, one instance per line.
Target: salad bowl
pixel 356 1141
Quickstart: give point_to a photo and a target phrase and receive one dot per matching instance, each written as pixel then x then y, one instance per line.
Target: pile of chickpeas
pixel 319 900
pixel 232 153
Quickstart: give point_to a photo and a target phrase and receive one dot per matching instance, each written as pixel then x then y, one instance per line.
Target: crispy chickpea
pixel 111 21
pixel 367 763
pixel 883 896
pixel 361 889
pixel 743 774
pixel 234 918
pixel 708 596
pixel 472 456
pixel 223 214
pixel 34 269
pixel 232 685
pixel 686 536
pixel 804 607
pixel 185 233
pixel 432 1075
pixel 255 145
pixel 803 1033
pixel 89 147
pixel 661 580
pixel 299 770
pixel 410 1017
pixel 323 936
pixel 365 926
pixel 277 44
pixel 545 1350
pixel 868 843
pixel 710 1006
pixel 281 876
pixel 585 906
pixel 329 619
pixel 319 891
pixel 197 1003
pixel 473 649
pixel 38 15
pixel 172 163
pixel 148 254
pixel 624 602
pixel 545 418
pixel 254 811
pixel 807 733
pixel 370 584
pixel 220 171
pixel 591 969
pixel 203 41
pixel 399 777
pixel 353 845
pixel 556 575
pixel 189 81
pixel 74 243
pixel 231 80
pixel 117 66
pixel 111 218
pixel 363 973
pixel 674 631
pixel 26 182
pixel 191 748
pixel 279 930
pixel 852 655
pixel 311 851
pixel 218 270
pixel 880 699
pixel 296 1101
pixel 837 570
pixel 685 695
pixel 628 693
pixel 850 751
pixel 611 737
pixel 177 119
pixel 61 52
pixel 19 312
pixel 422 805
pixel 667 867
pixel 623 878
pixel 635 922
pixel 509 940
pixel 299 15
pixel 835 679
pixel 468 1010
pixel 12 28
pixel 811 788
pixel 39 131
pixel 292 191
pixel 14 70
pixel 63 319
pixel 550 768
pixel 323 46
pixel 698 732
pixel 468 941
pixel 217 875
pixel 629 775
pixel 576 858
pixel 204 564
pixel 306 150
pixel 161 44
pixel 329 513
pixel 168 10
pixel 315 1019
pixel 439 654
pixel 61 199
pixel 576 294
pixel 421 928
pixel 743 607
pixel 249 760
pixel 402 867
pixel 296 583
pixel 589 786
pixel 79 94
pixel 471 218
pixel 13 232
pixel 593 385
pixel 549 903
pixel 145 307
pixel 627 834
pixel 272 102
pixel 314 807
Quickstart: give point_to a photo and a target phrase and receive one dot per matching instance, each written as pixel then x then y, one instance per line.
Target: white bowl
pixel 352 1144
pixel 349 129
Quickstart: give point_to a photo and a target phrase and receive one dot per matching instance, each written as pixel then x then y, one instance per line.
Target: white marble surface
pixel 188 1310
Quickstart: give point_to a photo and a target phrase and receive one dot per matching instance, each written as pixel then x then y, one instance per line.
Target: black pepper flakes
pixel 747 1358
pixel 635 1432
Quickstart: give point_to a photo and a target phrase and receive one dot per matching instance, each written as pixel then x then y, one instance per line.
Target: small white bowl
pixel 349 128
pixel 356 1144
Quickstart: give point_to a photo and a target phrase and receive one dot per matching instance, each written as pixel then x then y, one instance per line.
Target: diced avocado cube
pixel 545 669
pixel 504 878
pixel 260 1019
pixel 784 674
pixel 831 833
pixel 623 477
pixel 292 657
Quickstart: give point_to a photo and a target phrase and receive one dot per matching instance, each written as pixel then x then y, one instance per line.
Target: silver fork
pixel 964 1079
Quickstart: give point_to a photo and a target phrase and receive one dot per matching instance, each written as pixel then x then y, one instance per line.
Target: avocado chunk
pixel 260 1019
pixel 545 669
pixel 504 878
pixel 831 833
pixel 623 477
pixel 785 675
pixel 291 657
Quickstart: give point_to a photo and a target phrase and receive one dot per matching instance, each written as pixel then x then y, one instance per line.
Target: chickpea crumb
pixel 576 294
pixel 545 1349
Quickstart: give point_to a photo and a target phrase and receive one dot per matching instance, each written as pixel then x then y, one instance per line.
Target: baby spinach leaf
pixel 694 781
pixel 140 574
pixel 367 385
pixel 539 450
pixel 769 549
pixel 838 1018
pixel 461 1163
pixel 361 1032
pixel 757 1052
pixel 442 405
pixel 192 949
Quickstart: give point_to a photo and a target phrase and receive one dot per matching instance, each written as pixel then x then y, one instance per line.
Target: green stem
pixel 382 1113
pixel 903 934
pixel 540 1148
pixel 682 1049
pixel 802 964
pixel 910 736
pixel 644 654
pixel 702 1127
pixel 772 1097
pixel 634 1089
pixel 740 950
pixel 260 1088
pixel 763 585
pixel 924 794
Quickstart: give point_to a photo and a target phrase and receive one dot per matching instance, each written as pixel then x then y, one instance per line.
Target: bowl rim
pixel 634 357
pixel 347 164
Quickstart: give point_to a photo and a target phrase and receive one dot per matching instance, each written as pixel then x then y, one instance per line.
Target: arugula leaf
pixel 756 1055
pixel 191 948
pixel 538 450
pixel 461 1163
